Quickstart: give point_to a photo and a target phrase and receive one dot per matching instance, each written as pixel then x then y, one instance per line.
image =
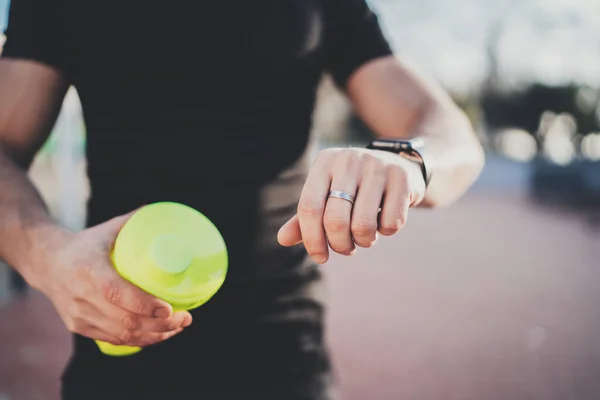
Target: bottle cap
pixel 173 252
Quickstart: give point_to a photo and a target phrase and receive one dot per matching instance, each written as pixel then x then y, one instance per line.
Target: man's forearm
pixel 453 153
pixel 23 217
pixel 396 102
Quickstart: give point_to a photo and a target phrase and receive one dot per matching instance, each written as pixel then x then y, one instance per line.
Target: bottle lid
pixel 173 252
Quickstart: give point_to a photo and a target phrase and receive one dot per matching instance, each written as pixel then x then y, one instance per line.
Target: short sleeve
pixel 36 31
pixel 355 38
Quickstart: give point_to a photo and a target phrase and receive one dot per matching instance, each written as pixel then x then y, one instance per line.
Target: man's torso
pixel 208 104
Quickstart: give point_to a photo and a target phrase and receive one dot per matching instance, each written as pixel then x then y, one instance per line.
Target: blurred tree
pixel 523 109
pixel 504 108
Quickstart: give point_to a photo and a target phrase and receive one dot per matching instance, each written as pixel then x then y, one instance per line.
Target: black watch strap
pixel 411 149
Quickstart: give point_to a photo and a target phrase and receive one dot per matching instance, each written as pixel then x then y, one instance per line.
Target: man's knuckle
pixel 315 245
pixel 336 223
pixel 126 336
pixel 112 291
pixel 141 305
pixel 166 326
pixel 309 208
pixel 389 228
pixel 393 169
pixel 344 250
pixel 171 326
pixel 373 168
pixel 364 227
pixel 369 159
pixel 363 240
pixel 130 321
pixel 324 156
pixel 397 174
pixel 115 341
pixel 349 157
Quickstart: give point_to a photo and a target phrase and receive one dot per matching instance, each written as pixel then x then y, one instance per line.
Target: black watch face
pixel 390 145
pixel 409 149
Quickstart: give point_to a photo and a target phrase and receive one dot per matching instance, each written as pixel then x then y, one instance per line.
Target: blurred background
pixel 495 297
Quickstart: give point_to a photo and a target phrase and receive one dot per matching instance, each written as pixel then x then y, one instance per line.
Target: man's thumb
pixel 290 234
pixel 112 227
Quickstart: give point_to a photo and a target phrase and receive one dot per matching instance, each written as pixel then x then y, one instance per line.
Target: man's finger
pixel 290 234
pixel 112 324
pixel 143 339
pixel 96 333
pixel 395 205
pixel 338 212
pixel 114 319
pixel 135 322
pixel 119 292
pixel 366 207
pixel 310 213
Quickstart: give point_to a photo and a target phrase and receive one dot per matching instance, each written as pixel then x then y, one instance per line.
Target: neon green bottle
pixel 172 252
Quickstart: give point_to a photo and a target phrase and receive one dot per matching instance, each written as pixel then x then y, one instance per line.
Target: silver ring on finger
pixel 338 194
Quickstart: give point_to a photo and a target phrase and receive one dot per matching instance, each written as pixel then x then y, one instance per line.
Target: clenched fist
pixel 76 274
pixel 350 195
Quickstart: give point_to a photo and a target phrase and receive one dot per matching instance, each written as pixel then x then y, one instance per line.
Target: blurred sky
pixel 552 41
pixel 3 14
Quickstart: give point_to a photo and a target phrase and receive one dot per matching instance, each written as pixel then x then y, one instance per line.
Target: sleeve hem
pixel 343 75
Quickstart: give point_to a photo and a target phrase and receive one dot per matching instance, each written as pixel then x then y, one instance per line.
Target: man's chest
pixel 210 36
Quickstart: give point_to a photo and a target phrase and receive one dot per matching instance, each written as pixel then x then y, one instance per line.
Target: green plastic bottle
pixel 172 252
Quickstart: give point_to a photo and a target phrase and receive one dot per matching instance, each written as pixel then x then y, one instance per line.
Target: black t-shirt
pixel 207 103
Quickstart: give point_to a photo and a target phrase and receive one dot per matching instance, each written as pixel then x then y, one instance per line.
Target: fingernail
pixel 162 313
pixel 187 322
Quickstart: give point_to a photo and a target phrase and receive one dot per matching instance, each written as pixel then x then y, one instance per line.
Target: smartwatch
pixel 411 149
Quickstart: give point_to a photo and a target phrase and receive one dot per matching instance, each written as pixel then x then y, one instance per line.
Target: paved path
pixel 34 346
pixel 489 299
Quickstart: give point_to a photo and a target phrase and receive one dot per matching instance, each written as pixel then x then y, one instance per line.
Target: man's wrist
pixel 410 149
pixel 416 180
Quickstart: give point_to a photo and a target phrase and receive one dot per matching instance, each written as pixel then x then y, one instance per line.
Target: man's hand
pixel 76 273
pixel 384 185
pixel 73 269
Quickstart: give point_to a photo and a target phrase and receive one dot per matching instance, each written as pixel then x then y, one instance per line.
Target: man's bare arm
pixel 31 96
pixel 395 102
pixel 72 269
